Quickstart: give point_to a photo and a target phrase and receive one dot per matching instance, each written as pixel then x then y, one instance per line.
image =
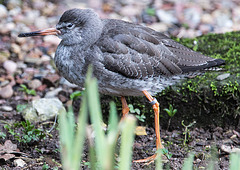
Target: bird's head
pixel 73 26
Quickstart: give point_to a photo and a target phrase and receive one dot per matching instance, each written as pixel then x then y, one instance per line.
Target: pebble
pixel 51 79
pixel 45 58
pixel 6 27
pixel 10 66
pixel 193 16
pixel 166 16
pixel 31 16
pixel 229 149
pixel 6 92
pixel 223 76
pixel 19 163
pixel 41 22
pixel 53 93
pixel 4 83
pixel 15 48
pixel 3 11
pixel 4 55
pixel 34 84
pixel 13 4
pixel 130 10
pixel 6 108
pixel 51 39
pixel 43 109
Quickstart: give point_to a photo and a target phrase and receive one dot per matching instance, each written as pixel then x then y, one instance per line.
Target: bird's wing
pixel 138 52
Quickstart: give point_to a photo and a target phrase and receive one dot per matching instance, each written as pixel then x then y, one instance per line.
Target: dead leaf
pixel 140 130
pixel 8 150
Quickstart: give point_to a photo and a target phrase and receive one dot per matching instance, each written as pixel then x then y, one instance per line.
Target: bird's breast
pixel 70 64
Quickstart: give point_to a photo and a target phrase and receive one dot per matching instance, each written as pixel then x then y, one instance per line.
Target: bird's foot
pixel 147 160
pixel 152 158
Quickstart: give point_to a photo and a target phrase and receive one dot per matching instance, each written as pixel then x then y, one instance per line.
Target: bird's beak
pixel 49 31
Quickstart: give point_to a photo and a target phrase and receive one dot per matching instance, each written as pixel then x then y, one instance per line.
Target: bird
pixel 128 59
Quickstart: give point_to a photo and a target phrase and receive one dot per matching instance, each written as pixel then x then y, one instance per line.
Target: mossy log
pixel 205 99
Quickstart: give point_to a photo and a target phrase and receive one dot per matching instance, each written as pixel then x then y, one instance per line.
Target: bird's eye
pixel 70 25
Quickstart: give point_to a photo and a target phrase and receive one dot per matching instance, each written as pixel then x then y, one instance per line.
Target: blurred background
pixel 181 18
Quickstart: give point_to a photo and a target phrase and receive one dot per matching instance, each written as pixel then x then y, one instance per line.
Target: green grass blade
pixel 80 134
pixel 65 138
pixel 188 163
pixel 71 128
pixel 159 160
pixel 96 117
pixel 127 138
pixel 235 161
pixel 113 119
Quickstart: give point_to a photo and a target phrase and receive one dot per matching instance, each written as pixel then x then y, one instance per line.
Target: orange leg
pixel 157 127
pixel 125 108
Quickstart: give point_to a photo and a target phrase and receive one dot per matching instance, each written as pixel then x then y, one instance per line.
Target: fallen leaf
pixel 140 130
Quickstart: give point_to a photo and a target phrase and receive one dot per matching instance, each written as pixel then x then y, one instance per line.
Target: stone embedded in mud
pixel 223 76
pixel 43 109
pixel 19 163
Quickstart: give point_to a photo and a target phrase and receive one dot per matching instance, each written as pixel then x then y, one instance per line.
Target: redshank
pixel 128 59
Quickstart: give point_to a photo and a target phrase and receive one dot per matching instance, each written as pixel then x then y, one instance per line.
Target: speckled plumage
pixel 127 58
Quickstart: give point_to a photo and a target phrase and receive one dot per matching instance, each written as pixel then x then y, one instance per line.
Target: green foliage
pixel 171 112
pixel 139 116
pixel 76 95
pixel 2 135
pixel 151 11
pixel 28 134
pixel 27 91
pixel 21 107
pixel 235 161
pixel 102 150
pixel 45 166
pixel 165 152
pixel 186 132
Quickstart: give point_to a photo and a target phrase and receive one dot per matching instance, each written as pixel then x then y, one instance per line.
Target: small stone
pixel 31 16
pixel 51 79
pixel 6 28
pixel 6 92
pixel 10 66
pixel 4 56
pixel 51 39
pixel 3 11
pixel 4 83
pixel 130 10
pixel 13 4
pixel 53 93
pixel 166 16
pixel 6 108
pixel 16 48
pixel 19 163
pixel 43 109
pixel 45 58
pixel 223 76
pixel 34 84
pixel 41 22
pixel 229 149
